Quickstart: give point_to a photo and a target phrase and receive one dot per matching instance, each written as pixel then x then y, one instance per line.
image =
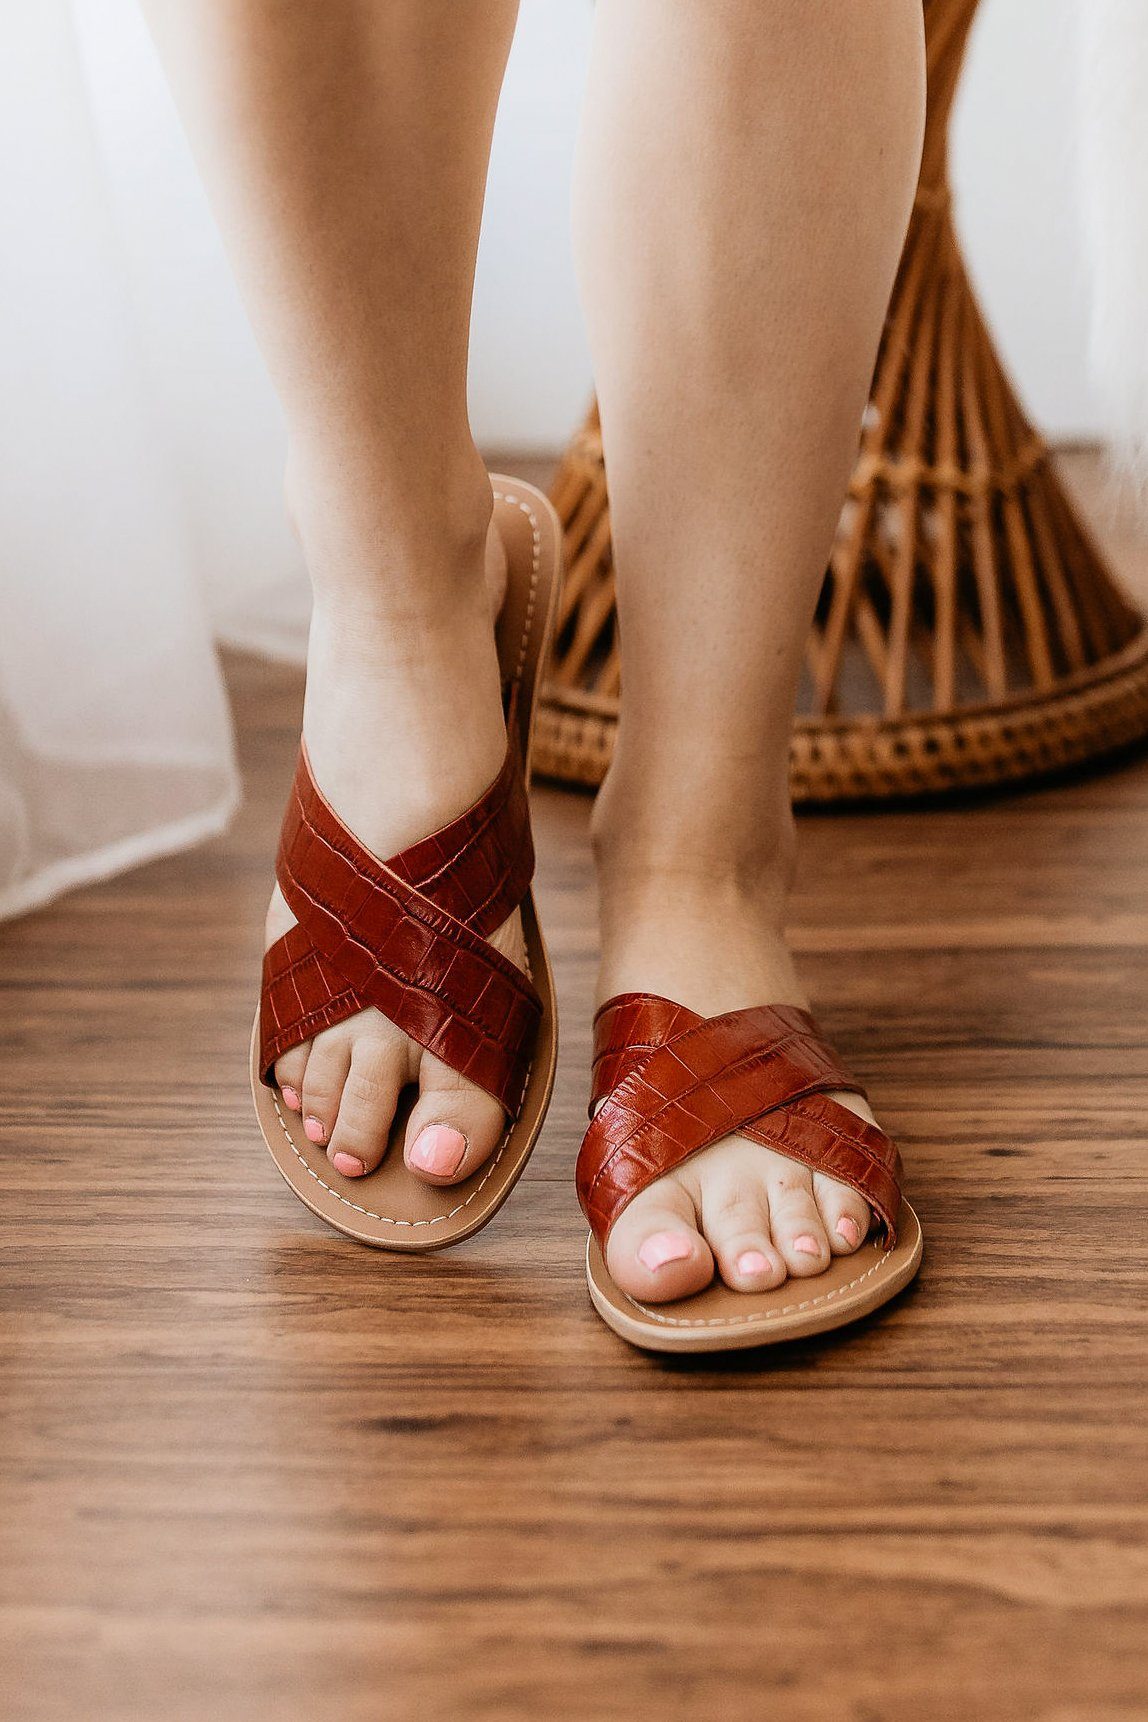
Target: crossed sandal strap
pixel 668 1082
pixel 408 936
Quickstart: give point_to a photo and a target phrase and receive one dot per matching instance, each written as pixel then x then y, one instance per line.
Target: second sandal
pixel 668 1083
pixel 410 936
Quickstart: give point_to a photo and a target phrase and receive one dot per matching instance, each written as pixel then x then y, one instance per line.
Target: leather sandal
pixel 668 1083
pixel 410 936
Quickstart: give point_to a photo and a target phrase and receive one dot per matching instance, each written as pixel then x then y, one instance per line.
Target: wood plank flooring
pixel 251 1472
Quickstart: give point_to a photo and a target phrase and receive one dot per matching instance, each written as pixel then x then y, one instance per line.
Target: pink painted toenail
pixel 848 1229
pixel 291 1098
pixel 806 1245
pixel 664 1247
pixel 314 1131
pixel 348 1165
pixel 753 1262
pixel 438 1149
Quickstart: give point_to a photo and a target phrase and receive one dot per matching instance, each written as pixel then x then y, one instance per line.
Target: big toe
pixel 655 1251
pixel 454 1127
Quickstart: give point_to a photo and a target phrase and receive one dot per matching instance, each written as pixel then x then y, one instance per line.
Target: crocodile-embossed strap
pixel 667 1083
pixel 408 935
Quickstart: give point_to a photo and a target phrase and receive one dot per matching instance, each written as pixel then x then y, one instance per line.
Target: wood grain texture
pixel 249 1470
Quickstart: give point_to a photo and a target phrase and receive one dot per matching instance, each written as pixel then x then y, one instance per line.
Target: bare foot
pixel 736 1209
pixel 404 728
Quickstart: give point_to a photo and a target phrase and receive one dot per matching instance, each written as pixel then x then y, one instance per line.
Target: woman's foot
pixel 736 1210
pixel 404 728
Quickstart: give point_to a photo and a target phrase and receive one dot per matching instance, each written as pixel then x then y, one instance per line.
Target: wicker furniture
pixel 967 632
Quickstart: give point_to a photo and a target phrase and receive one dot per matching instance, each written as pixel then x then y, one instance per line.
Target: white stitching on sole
pixel 435 1219
pixel 536 562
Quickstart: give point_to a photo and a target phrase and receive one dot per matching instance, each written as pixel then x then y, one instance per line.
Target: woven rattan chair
pixel 968 632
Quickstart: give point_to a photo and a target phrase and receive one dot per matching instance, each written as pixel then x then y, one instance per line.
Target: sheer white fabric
pixel 139 477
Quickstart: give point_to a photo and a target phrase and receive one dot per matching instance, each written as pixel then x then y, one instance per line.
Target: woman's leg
pixel 345 145
pixel 746 173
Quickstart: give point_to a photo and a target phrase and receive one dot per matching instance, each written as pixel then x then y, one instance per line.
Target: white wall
pixel 530 369
pixel 1015 178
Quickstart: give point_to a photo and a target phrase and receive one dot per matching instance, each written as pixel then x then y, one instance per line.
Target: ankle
pixel 402 714
pixel 713 942
pixel 389 545
pixel 684 849
pixel 664 910
pixel 696 914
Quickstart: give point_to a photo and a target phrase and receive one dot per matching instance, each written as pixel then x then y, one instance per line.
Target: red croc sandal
pixel 667 1083
pixel 410 936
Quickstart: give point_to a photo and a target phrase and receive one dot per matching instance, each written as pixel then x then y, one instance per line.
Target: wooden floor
pixel 252 1472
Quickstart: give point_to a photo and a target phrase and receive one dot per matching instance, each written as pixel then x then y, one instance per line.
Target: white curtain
pixel 141 446
pixel 129 538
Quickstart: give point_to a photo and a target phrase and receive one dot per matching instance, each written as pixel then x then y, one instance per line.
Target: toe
pixel 323 1080
pixel 655 1251
pixel 844 1214
pixel 366 1111
pixel 794 1221
pixel 289 1073
pixel 735 1220
pixel 453 1127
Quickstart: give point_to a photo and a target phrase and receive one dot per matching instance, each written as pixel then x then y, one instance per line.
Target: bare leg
pixel 345 145
pixel 746 174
